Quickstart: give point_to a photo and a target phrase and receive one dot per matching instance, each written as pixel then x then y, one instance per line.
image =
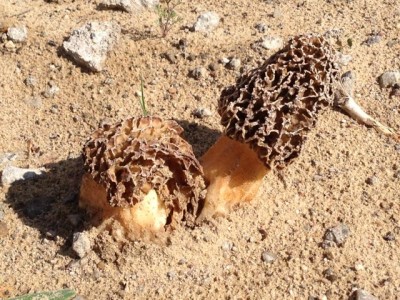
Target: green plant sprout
pixel 167 16
pixel 66 294
pixel 142 99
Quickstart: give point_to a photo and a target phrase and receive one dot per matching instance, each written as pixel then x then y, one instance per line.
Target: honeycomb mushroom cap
pixel 139 154
pixel 272 107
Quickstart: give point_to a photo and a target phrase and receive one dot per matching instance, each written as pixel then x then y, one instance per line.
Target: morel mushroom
pixel 143 174
pixel 267 116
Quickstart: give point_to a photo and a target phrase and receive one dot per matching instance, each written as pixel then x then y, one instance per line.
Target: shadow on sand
pixel 49 202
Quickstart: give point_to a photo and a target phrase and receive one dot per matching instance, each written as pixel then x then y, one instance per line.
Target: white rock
pixel 125 5
pixel 234 64
pixel 389 79
pixel 7 157
pixel 149 3
pixel 344 59
pixel 206 22
pixel 11 174
pixel 202 112
pixel 81 244
pixel 17 34
pixel 271 43
pixel 89 44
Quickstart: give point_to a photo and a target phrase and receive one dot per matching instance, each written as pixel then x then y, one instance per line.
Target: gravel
pixel 88 45
pixel 81 244
pixel 337 235
pixel 206 22
pixel 389 79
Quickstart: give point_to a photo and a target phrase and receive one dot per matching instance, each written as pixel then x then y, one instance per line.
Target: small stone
pixel 35 102
pixel 81 244
pixel 206 22
pixel 337 234
pixel 372 180
pixel 389 79
pixel 202 113
pixel 17 34
pixel 171 57
pixel 7 157
pixel 330 275
pixel 9 45
pixel 213 67
pixel 344 59
pixel 51 91
pixel 124 5
pixel 268 257
pixel 88 45
pixel 389 236
pixel 198 73
pixel 3 229
pixel 171 275
pixel 148 3
pixel 224 60
pixel 234 64
pixel 30 81
pixel 360 294
pixel 11 174
pixel 271 43
pixel 372 39
pixel 261 27
pixel 359 267
pixel 227 246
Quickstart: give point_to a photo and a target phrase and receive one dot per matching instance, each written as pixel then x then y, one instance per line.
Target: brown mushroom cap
pixel 139 154
pixel 272 107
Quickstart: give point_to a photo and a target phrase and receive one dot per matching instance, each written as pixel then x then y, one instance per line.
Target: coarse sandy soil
pixel 347 173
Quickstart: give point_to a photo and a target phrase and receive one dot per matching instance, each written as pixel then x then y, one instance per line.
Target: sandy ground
pixel 326 186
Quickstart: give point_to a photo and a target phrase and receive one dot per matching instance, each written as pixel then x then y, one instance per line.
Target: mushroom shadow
pixel 49 202
pixel 199 136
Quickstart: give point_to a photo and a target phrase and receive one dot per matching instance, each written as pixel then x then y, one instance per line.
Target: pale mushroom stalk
pixel 267 115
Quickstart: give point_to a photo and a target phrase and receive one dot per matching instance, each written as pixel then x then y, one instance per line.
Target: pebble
pixel 171 57
pixel 268 257
pixel 261 27
pixel 88 45
pixel 198 73
pixel 360 294
pixel 344 59
pixel 389 79
pixel 171 275
pixel 124 5
pixel 372 39
pixel 81 244
pixel 389 236
pixel 17 34
pixel 3 229
pixel 30 81
pixel 148 3
pixel 271 43
pixel 202 113
pixel 224 60
pixel 51 91
pixel 234 64
pixel 227 246
pixel 206 22
pixel 330 275
pixel 337 234
pixel 11 174
pixel 373 180
pixel 9 45
pixel 7 157
pixel 35 102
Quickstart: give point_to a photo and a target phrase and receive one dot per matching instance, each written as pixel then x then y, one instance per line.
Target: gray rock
pixel 17 34
pixel 389 79
pixel 261 27
pixel 372 39
pixel 202 113
pixel 148 3
pixel 81 244
pixel 361 295
pixel 125 5
pixel 88 45
pixel 51 90
pixel 268 257
pixel 337 234
pixel 206 22
pixel 30 81
pixel 234 64
pixel 11 174
pixel 271 43
pixel 198 73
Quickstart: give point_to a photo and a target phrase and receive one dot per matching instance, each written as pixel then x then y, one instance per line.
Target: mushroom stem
pixel 150 213
pixel 234 174
pixel 350 106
